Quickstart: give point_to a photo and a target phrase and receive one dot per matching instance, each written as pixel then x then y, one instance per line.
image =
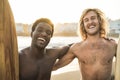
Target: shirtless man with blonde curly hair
pixel 95 52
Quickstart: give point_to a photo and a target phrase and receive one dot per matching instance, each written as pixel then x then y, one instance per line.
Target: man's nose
pixel 43 33
pixel 90 21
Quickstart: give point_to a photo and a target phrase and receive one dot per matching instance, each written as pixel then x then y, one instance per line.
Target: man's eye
pixel 85 20
pixel 39 30
pixel 49 32
pixel 92 18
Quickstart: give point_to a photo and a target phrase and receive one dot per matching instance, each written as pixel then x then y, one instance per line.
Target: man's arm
pixel 64 50
pixel 66 59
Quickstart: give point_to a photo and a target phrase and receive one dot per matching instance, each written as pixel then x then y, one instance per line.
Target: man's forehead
pixel 44 23
pixel 90 13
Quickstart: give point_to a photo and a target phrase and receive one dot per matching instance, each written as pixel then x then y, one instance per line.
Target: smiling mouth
pixel 91 27
pixel 41 39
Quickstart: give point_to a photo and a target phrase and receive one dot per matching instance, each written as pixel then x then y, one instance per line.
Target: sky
pixel 60 11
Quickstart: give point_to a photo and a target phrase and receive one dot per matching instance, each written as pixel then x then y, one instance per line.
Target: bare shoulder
pixel 22 53
pixel 76 46
pixel 57 50
pixel 111 42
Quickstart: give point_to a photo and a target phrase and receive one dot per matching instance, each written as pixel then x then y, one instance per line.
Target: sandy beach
pixel 71 75
pixel 69 72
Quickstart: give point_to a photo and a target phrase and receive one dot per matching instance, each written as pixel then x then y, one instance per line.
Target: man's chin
pixel 41 46
pixel 92 33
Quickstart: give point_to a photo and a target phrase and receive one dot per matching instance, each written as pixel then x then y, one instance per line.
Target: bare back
pixel 95 59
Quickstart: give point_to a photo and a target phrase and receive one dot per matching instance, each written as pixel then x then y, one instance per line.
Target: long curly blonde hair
pixel 102 22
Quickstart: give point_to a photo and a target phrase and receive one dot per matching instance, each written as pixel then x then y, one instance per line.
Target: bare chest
pixel 40 69
pixel 97 53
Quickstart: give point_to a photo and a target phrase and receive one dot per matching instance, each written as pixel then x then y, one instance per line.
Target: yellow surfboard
pixel 117 66
pixel 9 66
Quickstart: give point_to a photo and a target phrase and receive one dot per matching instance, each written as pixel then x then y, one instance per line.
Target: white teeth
pixel 41 39
pixel 91 27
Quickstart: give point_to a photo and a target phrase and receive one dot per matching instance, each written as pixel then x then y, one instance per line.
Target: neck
pixel 93 38
pixel 37 53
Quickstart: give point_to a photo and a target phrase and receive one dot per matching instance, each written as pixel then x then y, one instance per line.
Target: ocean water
pixel 54 42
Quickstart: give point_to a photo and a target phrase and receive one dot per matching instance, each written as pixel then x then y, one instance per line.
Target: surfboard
pixel 117 66
pixel 9 66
